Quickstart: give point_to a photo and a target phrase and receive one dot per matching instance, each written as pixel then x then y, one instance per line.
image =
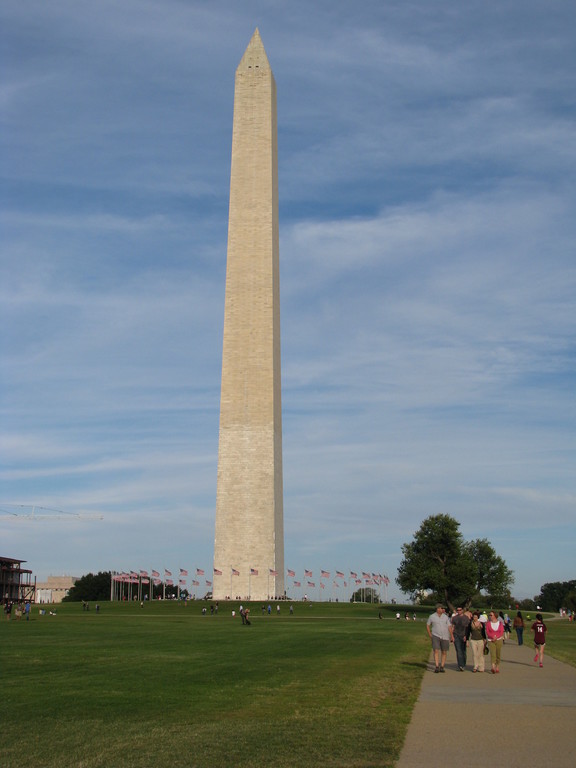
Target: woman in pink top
pixel 495 637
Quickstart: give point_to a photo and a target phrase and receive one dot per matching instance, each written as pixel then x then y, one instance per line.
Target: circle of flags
pixel 142 580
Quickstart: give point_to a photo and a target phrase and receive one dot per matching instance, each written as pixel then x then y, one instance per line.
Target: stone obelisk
pixel 249 538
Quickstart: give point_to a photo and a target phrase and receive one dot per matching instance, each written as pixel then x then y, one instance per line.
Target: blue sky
pixel 428 278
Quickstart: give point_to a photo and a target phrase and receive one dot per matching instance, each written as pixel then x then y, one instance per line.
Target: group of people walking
pixel 20 609
pixel 484 634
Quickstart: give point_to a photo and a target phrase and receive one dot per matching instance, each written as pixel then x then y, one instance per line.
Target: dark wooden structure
pixel 16 584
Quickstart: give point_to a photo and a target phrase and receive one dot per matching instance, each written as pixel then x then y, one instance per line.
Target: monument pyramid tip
pixel 256 38
pixel 255 53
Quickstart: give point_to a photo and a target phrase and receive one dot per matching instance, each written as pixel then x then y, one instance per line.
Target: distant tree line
pixel 96 588
pixel 91 587
pixel 365 595
pixel 556 595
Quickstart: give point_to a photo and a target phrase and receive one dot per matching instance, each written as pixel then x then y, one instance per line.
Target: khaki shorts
pixel 440 645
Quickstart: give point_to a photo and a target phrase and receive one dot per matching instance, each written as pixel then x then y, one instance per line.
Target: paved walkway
pixel 523 716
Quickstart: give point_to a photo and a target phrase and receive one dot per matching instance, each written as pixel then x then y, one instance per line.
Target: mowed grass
pixel 163 686
pixel 560 640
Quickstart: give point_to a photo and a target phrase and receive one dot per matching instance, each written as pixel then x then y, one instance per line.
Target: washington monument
pixel 249 538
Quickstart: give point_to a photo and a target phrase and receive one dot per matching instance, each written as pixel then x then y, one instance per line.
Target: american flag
pixel 155 574
pixel 353 575
pixel 308 574
pixel 195 583
pixel 365 575
pixel 297 584
pixel 144 574
pixel 217 572
pixel 167 572
pixel 253 572
pixel 273 572
pixel 325 574
pixel 209 583
pixel 183 572
pixel 339 575
pixel 169 582
pixel 311 584
pixel 322 585
pixel 199 572
pixel 182 582
pixel 235 572
pixel 291 573
pixel 386 580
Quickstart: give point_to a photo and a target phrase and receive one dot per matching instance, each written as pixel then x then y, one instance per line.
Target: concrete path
pixel 523 716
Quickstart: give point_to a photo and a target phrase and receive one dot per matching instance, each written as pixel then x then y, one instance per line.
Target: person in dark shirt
pixel 518 625
pixel 539 629
pixel 477 641
pixel 461 625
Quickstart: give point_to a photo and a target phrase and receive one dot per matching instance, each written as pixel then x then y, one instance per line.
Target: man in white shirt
pixel 441 632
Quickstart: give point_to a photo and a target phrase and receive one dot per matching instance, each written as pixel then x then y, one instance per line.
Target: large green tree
pixel 440 560
pixel 493 576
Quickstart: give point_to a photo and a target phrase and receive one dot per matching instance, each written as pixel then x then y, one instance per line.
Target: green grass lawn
pixel 560 640
pixel 164 686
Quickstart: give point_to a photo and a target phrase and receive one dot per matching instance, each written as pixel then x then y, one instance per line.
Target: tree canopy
pixel 555 595
pixel 365 595
pixel 440 560
pixel 91 587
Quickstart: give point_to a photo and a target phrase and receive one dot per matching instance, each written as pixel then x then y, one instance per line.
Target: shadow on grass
pixel 417 664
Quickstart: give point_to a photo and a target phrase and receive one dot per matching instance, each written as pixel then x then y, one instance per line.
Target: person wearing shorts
pixel 441 633
pixel 539 629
